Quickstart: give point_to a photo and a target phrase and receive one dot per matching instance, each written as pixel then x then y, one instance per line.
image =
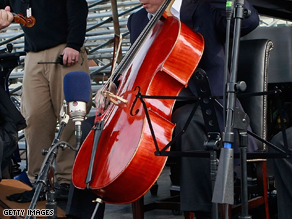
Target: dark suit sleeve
pixel 129 22
pixel 129 28
pixel 252 22
pixel 247 24
pixel 136 23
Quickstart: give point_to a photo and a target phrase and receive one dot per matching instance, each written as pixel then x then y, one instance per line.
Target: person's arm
pixel 252 22
pixel 6 17
pixel 77 11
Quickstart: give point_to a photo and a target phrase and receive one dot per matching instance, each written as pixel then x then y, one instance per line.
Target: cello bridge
pixel 114 98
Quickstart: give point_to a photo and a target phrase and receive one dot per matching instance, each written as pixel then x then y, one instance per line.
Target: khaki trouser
pixel 41 102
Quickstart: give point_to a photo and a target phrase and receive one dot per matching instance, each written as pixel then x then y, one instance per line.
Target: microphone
pixel 77 89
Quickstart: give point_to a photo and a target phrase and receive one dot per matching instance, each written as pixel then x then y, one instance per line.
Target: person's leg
pixel 39 114
pixel 283 176
pixel 64 159
pixel 195 183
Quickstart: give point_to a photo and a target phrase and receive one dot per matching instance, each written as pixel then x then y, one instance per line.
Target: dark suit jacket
pixel 208 19
pixel 204 18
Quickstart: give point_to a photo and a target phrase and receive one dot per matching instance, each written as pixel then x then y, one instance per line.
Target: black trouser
pixel 195 183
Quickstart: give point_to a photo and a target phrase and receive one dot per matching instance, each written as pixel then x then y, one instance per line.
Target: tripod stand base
pixel 12 186
pixel 224 187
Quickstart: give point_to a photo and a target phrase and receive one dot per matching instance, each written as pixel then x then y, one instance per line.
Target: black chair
pixel 252 68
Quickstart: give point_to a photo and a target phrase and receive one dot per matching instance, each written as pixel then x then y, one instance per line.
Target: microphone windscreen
pixel 77 86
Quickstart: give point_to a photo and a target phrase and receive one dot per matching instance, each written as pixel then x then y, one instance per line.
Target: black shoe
pixel 26 196
pixel 62 191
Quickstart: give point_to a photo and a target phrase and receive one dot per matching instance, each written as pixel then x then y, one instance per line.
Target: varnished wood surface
pixel 125 166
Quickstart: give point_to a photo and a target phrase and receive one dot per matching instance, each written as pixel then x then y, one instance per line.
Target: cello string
pixel 139 41
pixel 130 55
pixel 123 66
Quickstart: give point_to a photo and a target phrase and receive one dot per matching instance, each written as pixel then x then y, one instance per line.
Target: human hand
pixel 70 56
pixel 101 101
pixel 6 17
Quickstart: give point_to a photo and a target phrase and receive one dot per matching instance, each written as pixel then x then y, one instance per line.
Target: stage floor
pixel 164 184
pixel 125 211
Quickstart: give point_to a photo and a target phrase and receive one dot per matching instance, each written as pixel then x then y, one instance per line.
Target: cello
pixel 116 160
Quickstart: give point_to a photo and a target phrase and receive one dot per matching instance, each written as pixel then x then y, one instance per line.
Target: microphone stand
pixel 77 116
pixel 46 170
pixel 235 119
pixel 78 134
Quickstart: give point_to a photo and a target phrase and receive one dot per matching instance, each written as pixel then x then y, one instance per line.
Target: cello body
pixel 125 166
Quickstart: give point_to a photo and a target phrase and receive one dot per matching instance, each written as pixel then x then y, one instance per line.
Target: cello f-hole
pixel 135 101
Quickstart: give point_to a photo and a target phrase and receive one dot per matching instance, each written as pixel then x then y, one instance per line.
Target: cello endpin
pixel 99 200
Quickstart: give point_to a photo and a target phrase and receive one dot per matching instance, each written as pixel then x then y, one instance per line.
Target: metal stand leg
pixel 47 170
pixel 243 163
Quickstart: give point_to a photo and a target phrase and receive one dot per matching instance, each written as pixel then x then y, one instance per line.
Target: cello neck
pixel 165 7
pixel 167 11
